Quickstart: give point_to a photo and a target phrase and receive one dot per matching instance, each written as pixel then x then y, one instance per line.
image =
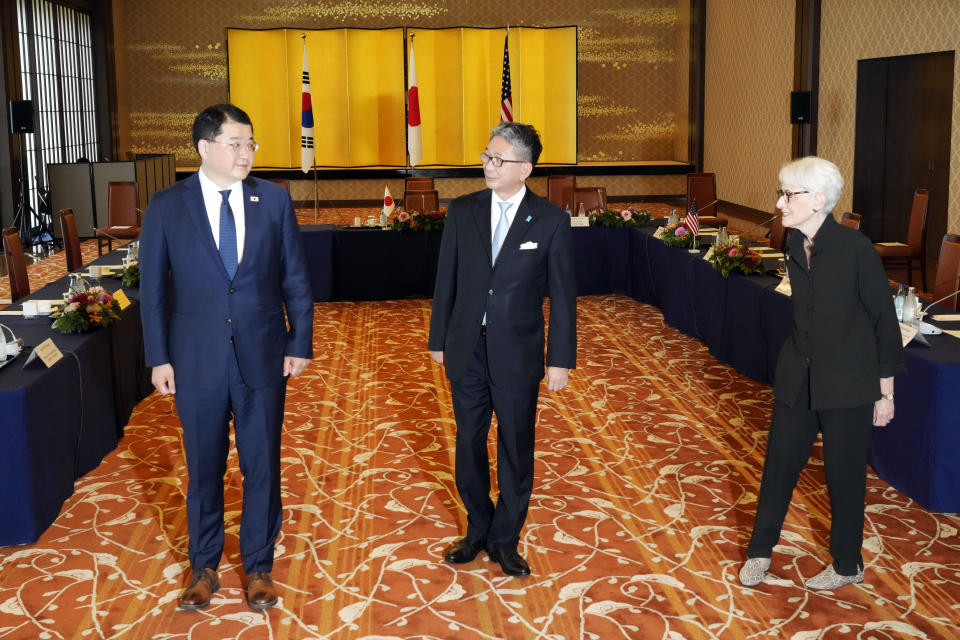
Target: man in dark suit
pixel 503 250
pixel 221 260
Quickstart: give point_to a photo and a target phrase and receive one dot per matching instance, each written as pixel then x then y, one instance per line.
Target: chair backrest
pixel 16 264
pixel 916 237
pixel 948 273
pixel 560 190
pixel 71 241
pixel 424 201
pixel 778 236
pixel 851 220
pixel 591 197
pixel 283 182
pixel 418 183
pixel 702 187
pixel 122 201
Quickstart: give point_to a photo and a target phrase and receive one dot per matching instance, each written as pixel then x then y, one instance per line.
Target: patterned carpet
pixel 647 472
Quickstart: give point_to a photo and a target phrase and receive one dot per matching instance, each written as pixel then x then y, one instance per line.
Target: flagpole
pixel 316 195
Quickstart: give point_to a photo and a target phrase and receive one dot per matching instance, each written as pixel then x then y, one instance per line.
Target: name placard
pixel 784 287
pixel 579 221
pixel 907 333
pixel 121 299
pixel 47 351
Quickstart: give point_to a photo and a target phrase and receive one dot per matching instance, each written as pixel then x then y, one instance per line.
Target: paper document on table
pixel 11 313
pixel 121 226
pixel 891 244
pixel 946 317
pixel 953 332
pixel 907 333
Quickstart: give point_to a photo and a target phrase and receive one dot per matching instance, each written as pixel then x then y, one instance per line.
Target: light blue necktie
pixel 228 236
pixel 503 225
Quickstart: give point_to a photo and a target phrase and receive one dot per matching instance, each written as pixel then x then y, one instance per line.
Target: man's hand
pixel 294 366
pixel 162 379
pixel 437 356
pixel 556 378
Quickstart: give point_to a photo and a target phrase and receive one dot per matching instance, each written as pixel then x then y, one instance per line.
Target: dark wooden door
pixel 904 110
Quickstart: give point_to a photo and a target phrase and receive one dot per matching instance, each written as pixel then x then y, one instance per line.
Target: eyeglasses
pixel 237 146
pixel 786 195
pixel 497 160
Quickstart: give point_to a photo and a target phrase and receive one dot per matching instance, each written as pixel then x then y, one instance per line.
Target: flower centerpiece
pixel 419 221
pixel 131 274
pixel 629 217
pixel 87 310
pixel 676 235
pixel 727 258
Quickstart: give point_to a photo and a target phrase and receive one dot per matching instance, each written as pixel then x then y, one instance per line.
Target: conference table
pixel 742 320
pixel 58 423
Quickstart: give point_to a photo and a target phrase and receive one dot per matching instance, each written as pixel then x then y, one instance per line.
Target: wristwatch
pixel 887 396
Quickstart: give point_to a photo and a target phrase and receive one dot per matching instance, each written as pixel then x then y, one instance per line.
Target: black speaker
pixel 21 116
pixel 799 107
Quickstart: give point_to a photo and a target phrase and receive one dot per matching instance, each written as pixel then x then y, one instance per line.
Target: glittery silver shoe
pixel 830 579
pixel 753 570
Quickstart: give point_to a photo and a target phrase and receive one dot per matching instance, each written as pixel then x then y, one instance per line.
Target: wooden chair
pixel 423 201
pixel 16 264
pixel 418 183
pixel 899 254
pixel 778 233
pixel 590 197
pixel 283 182
pixel 702 188
pixel 948 274
pixel 71 241
pixel 560 190
pixel 123 216
pixel 851 220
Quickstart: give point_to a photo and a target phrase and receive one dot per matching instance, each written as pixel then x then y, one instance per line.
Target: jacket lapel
pixel 481 215
pixel 252 219
pixel 525 217
pixel 197 213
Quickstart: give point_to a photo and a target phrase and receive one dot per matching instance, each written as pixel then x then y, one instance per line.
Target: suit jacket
pixel 845 332
pixel 194 315
pixel 510 292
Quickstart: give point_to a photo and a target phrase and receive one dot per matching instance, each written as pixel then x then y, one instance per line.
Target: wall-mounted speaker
pixel 21 116
pixel 799 107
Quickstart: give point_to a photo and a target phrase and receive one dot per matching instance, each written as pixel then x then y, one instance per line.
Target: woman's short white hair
pixel 815 175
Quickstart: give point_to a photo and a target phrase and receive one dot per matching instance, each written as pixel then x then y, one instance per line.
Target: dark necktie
pixel 228 236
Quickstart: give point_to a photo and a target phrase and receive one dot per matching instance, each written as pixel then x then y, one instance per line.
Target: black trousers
pixel 258 417
pixel 846 440
pixel 475 400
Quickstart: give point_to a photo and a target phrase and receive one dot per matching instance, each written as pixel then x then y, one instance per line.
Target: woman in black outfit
pixel 834 374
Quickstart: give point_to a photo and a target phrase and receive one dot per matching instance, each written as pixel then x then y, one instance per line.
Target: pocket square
pixel 528 245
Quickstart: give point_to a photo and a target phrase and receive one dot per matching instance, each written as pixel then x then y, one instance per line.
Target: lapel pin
pixel 254 198
pixel 529 218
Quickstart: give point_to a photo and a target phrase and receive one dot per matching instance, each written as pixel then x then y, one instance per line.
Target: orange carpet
pixel 646 479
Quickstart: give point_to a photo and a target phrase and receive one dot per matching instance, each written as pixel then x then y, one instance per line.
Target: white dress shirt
pixel 495 208
pixel 212 201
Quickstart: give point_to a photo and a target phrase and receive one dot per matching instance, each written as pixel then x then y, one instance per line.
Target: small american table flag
pixel 692 220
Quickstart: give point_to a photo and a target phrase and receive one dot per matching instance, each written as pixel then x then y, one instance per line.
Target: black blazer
pixel 510 293
pixel 845 332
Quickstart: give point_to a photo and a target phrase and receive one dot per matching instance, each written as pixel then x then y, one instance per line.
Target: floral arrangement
pixel 727 258
pixel 419 221
pixel 676 235
pixel 629 217
pixel 87 310
pixel 131 275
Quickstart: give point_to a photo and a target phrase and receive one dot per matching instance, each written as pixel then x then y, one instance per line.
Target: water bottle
pixel 673 219
pixel 383 219
pixel 566 209
pixel 898 303
pixel 910 307
pixel 581 211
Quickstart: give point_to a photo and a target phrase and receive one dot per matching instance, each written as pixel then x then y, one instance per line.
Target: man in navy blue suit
pixel 222 273
pixel 503 250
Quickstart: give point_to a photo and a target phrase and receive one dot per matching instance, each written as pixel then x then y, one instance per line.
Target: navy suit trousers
pixel 258 416
pixel 475 400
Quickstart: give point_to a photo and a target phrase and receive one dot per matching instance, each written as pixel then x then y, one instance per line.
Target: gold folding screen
pixel 358 87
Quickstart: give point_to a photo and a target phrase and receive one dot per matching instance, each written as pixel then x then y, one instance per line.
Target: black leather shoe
pixel 510 561
pixel 463 550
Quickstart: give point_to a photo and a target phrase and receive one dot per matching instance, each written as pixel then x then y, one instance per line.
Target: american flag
pixel 306 117
pixel 692 221
pixel 506 95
